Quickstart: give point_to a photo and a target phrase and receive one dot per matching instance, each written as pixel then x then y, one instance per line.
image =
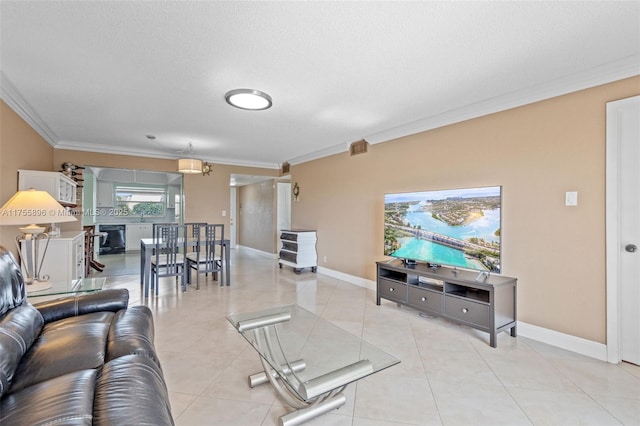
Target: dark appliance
pixel 114 242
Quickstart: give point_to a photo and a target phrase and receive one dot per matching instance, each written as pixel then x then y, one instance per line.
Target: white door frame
pixel 613 237
pixel 233 222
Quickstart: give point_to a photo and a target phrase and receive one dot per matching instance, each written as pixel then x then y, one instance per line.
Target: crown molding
pixel 16 102
pixel 613 71
pixel 325 152
pixel 110 149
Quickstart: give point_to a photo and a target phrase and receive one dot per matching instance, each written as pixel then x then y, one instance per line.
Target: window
pixel 141 200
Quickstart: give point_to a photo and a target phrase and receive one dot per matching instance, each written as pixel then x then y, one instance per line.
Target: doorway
pixel 623 230
pixel 279 207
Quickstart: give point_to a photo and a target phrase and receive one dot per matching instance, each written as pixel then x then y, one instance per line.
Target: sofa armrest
pixel 105 300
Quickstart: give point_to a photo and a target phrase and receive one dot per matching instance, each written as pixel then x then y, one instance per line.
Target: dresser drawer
pixel 467 311
pixel 425 299
pixel 288 236
pixel 288 256
pixel 392 290
pixel 289 245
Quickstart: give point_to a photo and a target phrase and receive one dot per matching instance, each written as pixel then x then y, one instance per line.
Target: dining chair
pixel 194 229
pixel 159 225
pixel 207 257
pixel 168 260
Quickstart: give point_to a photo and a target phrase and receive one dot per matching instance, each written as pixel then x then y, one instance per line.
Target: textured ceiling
pixel 100 76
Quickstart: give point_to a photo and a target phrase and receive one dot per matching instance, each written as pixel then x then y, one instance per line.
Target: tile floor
pixel 448 375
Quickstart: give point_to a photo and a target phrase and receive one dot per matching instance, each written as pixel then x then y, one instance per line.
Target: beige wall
pixel 208 196
pixel 536 152
pixel 257 216
pixel 21 147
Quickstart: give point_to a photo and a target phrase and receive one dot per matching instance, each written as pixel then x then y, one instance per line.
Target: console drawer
pixel 425 299
pixel 467 311
pixel 390 289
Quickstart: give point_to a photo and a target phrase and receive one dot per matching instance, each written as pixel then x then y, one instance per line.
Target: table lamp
pixel 30 207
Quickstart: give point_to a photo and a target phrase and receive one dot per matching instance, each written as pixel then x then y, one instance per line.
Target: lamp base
pixel 36 286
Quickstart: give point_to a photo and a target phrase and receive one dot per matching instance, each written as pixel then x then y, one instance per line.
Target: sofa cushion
pixel 66 399
pixel 131 390
pixel 72 344
pixel 19 328
pixel 132 332
pixel 12 291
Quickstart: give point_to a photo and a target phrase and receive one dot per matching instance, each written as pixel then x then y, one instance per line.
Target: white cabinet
pixel 298 249
pixel 64 258
pixel 135 232
pixel 61 187
pixel 172 192
pixel 104 194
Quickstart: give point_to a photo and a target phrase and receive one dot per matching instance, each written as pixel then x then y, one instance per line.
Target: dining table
pixel 149 245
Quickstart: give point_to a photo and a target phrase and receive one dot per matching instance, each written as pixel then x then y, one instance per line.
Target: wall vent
pixel 359 147
pixel 285 168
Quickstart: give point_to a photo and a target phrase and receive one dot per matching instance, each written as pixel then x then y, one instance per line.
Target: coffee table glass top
pixel 82 285
pixel 310 354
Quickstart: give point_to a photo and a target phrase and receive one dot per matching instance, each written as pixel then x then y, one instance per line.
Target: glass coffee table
pixel 82 285
pixel 308 360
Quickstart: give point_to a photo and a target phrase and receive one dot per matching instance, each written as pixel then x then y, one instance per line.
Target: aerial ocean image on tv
pixel 459 228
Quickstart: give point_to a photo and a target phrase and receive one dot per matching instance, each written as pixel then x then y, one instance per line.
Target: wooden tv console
pixel 487 303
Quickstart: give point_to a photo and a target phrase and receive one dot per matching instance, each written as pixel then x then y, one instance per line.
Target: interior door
pixel 623 227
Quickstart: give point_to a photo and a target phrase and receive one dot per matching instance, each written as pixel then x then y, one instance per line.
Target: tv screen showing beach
pixel 459 227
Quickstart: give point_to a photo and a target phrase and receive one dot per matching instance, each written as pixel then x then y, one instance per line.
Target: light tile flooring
pixel 448 375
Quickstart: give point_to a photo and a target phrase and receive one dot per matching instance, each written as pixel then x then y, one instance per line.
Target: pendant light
pixel 189 165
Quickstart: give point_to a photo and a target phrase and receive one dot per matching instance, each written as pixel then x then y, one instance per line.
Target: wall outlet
pixel 224 213
pixel 571 198
pixel 325 259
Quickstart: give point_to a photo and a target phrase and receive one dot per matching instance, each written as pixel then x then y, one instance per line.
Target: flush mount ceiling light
pixel 249 99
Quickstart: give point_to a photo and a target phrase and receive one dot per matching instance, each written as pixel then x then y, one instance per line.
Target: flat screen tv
pixel 455 227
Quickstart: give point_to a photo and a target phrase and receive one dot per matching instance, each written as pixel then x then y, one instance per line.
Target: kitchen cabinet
pixel 104 194
pixel 172 192
pixel 135 232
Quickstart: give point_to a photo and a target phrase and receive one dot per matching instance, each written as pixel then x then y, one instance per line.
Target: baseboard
pixel 258 252
pixel 352 279
pixel 565 341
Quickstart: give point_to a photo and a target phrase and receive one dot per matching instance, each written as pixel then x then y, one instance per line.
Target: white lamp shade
pixel 189 165
pixel 32 206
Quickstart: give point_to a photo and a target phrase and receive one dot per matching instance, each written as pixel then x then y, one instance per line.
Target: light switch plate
pixel 571 198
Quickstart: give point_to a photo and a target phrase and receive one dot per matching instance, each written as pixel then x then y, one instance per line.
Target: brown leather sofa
pixel 79 360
